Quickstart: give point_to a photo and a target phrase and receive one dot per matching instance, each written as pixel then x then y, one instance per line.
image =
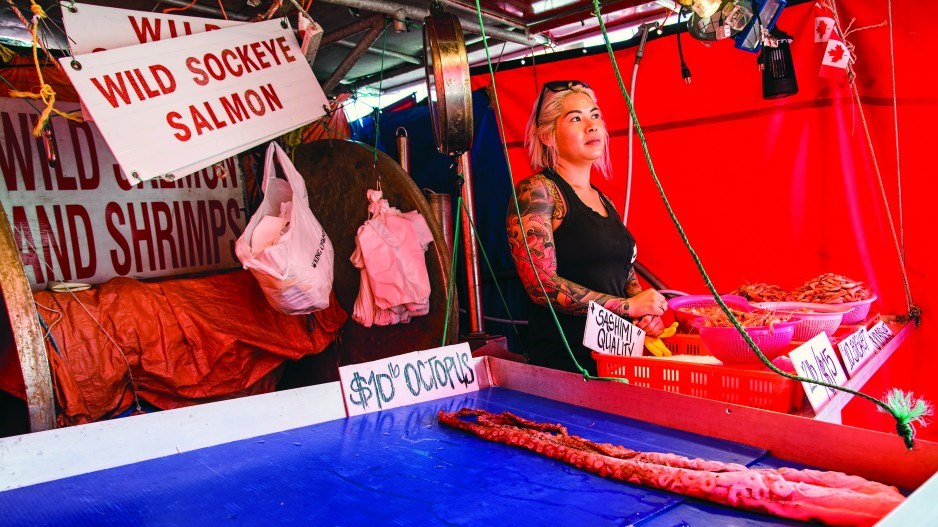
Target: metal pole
pixel 362 24
pixel 377 26
pixel 403 149
pixel 442 207
pixel 470 244
pixel 386 52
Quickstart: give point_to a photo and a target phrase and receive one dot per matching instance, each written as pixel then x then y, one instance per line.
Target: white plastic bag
pixel 295 271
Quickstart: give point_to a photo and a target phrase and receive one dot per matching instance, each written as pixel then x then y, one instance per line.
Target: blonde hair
pixel 551 104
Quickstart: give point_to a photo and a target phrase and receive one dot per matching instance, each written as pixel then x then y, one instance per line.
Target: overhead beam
pixel 387 53
pixel 415 13
pixel 205 10
pixel 377 26
pixel 362 24
pixel 469 8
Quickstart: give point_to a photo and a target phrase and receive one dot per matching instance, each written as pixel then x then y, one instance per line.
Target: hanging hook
pixel 48 142
pixel 219 170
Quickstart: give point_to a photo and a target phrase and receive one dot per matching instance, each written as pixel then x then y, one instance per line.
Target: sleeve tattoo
pixel 534 230
pixel 632 287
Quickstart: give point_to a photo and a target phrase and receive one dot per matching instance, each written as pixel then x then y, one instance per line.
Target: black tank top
pixel 593 251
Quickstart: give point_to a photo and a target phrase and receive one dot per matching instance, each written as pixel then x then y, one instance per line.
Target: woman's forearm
pixel 568 297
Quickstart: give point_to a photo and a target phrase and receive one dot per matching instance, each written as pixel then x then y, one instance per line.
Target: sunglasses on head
pixel 556 87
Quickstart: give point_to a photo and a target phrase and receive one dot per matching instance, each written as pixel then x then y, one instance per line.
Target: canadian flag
pixel 836 59
pixel 823 27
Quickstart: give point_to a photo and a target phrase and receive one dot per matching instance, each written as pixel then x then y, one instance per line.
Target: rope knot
pixel 905 430
pixel 37 10
pixel 47 93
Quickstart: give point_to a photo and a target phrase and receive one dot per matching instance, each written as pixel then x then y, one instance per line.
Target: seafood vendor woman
pixel 568 236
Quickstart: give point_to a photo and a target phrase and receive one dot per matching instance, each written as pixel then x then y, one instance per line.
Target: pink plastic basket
pixel 813 318
pixel 680 304
pixel 859 312
pixel 729 346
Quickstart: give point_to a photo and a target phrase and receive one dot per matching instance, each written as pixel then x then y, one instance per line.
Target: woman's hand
pixel 648 302
pixel 651 325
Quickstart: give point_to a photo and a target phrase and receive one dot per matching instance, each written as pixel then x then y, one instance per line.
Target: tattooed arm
pixel 632 287
pixel 542 210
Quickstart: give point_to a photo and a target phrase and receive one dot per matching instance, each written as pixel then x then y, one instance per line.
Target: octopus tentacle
pixel 832 498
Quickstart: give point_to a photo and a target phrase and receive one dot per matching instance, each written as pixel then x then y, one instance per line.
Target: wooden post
pixel 27 335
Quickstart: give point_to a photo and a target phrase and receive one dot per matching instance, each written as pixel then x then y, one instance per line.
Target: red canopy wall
pixel 774 191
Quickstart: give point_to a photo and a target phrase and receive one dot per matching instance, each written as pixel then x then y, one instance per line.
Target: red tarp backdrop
pixel 775 191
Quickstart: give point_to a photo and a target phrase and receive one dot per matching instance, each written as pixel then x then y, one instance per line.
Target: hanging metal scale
pixel 448 86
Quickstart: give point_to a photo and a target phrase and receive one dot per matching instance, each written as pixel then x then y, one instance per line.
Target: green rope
pixel 488 264
pixel 902 422
pixel 514 198
pixel 377 112
pixel 451 286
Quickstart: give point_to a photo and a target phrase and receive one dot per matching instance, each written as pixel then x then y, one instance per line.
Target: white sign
pixel 855 350
pixel 82 221
pixel 83 25
pixel 815 359
pixel 171 107
pixel 879 335
pixel 607 332
pixel 125 27
pixel 410 378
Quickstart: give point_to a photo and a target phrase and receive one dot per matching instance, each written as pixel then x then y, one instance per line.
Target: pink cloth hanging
pixel 389 250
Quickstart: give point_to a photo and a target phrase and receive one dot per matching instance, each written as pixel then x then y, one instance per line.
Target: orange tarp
pixel 186 341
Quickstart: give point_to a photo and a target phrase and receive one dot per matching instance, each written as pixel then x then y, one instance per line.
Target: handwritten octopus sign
pixel 171 107
pixel 410 378
pixel 816 360
pixel 856 349
pixel 607 332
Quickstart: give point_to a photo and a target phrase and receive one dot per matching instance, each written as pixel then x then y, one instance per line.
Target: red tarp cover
pixel 187 341
pixel 781 190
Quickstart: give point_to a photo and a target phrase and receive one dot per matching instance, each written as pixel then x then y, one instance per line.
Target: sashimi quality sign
pixel 172 107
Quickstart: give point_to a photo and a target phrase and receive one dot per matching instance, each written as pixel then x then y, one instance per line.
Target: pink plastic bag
pixel 295 272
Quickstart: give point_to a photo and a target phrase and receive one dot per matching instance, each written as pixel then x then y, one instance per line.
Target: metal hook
pixel 48 142
pixel 75 65
pixel 219 170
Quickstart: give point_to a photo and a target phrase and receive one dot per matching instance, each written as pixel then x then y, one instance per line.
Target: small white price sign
pixel 607 332
pixel 815 359
pixel 879 335
pixel 855 350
